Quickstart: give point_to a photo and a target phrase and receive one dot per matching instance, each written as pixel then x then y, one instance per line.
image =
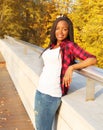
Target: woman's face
pixel 61 31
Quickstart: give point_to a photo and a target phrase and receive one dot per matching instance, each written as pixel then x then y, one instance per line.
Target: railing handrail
pixel 93 73
pixel 24 43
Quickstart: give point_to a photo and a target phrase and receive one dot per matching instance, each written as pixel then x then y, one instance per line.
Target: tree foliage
pixel 11 18
pixel 45 13
pixel 31 20
pixel 88 23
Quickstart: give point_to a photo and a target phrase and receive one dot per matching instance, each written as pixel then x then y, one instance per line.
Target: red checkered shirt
pixel 69 52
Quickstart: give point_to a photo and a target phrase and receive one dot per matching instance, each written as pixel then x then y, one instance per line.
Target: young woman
pixel 59 59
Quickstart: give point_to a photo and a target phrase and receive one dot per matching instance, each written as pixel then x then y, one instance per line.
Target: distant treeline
pixel 31 21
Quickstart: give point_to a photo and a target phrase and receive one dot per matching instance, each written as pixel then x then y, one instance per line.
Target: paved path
pixel 12 112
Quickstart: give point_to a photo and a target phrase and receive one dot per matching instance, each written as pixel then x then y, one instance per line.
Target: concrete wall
pixel 75 113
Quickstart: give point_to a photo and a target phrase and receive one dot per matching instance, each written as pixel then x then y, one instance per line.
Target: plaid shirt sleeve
pixel 79 52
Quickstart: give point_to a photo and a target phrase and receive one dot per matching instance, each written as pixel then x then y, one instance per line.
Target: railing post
pixel 90 89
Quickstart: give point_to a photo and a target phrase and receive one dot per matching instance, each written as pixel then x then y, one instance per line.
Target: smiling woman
pixel 59 58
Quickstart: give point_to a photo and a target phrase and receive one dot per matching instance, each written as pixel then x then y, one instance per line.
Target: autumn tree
pixel 88 23
pixel 45 13
pixel 30 21
pixel 11 18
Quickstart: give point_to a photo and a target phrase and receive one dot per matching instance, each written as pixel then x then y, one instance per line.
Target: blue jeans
pixel 45 110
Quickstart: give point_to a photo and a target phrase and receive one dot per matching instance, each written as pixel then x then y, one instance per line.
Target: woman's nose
pixel 60 31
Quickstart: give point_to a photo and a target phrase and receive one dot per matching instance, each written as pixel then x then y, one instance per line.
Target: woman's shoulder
pixel 67 44
pixel 70 43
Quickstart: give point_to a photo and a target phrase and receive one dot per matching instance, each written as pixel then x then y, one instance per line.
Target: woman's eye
pixel 65 29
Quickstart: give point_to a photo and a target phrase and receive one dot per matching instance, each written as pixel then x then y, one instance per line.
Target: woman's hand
pixel 68 76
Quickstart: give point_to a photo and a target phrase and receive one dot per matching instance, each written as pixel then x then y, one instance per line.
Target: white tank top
pixel 49 82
